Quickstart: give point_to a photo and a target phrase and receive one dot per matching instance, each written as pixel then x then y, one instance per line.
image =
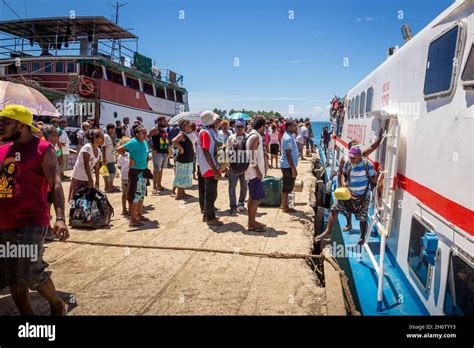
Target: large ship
pixel 418 257
pixel 90 68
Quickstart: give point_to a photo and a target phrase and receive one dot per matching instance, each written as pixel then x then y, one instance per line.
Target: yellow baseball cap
pixel 19 113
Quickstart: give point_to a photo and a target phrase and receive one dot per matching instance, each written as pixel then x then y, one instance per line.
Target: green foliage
pixel 267 114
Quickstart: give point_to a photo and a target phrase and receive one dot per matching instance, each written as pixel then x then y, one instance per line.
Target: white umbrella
pixel 16 93
pixel 188 116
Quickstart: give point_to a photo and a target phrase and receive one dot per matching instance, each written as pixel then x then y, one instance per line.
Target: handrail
pixel 446 222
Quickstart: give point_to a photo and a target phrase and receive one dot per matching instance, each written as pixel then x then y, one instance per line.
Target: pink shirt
pixel 23 186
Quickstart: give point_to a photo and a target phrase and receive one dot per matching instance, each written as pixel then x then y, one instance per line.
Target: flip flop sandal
pixel 137 224
pixel 346 228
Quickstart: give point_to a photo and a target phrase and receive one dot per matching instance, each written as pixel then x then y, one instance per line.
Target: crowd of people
pixel 34 158
pixel 192 149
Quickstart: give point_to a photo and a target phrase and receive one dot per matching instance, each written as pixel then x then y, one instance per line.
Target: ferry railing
pixel 115 50
pixel 381 218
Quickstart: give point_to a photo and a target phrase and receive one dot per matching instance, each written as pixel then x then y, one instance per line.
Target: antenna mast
pixel 117 7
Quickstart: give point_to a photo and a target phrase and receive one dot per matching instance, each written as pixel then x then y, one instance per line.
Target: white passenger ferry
pixel 419 258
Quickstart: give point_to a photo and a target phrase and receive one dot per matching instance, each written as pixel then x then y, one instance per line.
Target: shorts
pixel 27 267
pixel 111 168
pixel 136 190
pixel 288 180
pixel 256 189
pixel 344 208
pixel 274 149
pixel 124 186
pixel 160 161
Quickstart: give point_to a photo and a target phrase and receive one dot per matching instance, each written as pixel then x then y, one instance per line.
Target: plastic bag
pixel 104 171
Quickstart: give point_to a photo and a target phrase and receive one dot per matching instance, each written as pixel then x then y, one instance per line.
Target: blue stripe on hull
pixel 399 298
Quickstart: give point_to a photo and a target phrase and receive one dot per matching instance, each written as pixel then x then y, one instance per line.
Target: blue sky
pixel 283 63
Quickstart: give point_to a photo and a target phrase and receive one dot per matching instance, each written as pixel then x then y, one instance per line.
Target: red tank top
pixel 23 186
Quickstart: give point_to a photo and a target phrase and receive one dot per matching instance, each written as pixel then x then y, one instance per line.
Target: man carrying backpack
pixel 360 175
pixel 236 145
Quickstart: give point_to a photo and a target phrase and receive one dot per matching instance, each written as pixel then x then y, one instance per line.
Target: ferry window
pixel 170 94
pixel 179 96
pixel 132 83
pixel 59 67
pixel 353 107
pixel 24 67
pixel 439 67
pixel 147 88
pixel 356 108
pixel 35 67
pixel 70 67
pixel 417 262
pixel 160 92
pixel 349 108
pixel 370 97
pixel 460 286
pixel 468 74
pixel 116 78
pixel 48 67
pixel 362 104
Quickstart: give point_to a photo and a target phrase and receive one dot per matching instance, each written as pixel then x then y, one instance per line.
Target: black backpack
pixel 90 208
pixel 239 157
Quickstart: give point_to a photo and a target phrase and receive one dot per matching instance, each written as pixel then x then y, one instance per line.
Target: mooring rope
pixel 275 255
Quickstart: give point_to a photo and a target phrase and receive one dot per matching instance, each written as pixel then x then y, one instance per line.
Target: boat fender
pixel 430 246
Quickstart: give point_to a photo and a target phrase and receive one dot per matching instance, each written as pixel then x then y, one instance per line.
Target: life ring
pixel 85 87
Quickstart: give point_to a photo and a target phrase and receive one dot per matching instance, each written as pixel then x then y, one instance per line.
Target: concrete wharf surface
pixel 104 280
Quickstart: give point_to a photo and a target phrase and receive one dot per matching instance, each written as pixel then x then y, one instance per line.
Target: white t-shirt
pixel 124 164
pixel 302 134
pixel 109 149
pixel 257 156
pixel 79 171
pixel 64 141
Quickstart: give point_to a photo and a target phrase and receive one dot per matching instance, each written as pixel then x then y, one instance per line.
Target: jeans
pixel 309 143
pixel 233 179
pixel 210 197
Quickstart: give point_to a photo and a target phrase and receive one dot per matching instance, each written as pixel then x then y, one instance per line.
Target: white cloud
pixel 295 61
pixel 369 19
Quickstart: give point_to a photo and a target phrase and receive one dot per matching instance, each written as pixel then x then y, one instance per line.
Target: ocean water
pixel 318 129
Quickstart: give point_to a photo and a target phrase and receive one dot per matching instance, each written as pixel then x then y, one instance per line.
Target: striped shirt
pixel 358 177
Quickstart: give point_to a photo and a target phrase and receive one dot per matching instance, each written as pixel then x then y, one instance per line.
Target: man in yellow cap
pixel 28 166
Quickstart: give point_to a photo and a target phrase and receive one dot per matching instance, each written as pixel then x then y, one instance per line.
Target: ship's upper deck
pixel 84 37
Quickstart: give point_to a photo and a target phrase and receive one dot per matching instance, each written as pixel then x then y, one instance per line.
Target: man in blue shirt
pixel 360 175
pixel 288 163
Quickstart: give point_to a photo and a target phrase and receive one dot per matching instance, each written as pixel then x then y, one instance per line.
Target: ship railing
pixel 383 209
pixel 118 51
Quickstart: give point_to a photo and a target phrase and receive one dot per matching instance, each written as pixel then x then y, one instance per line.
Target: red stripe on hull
pixel 455 213
pixel 450 210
